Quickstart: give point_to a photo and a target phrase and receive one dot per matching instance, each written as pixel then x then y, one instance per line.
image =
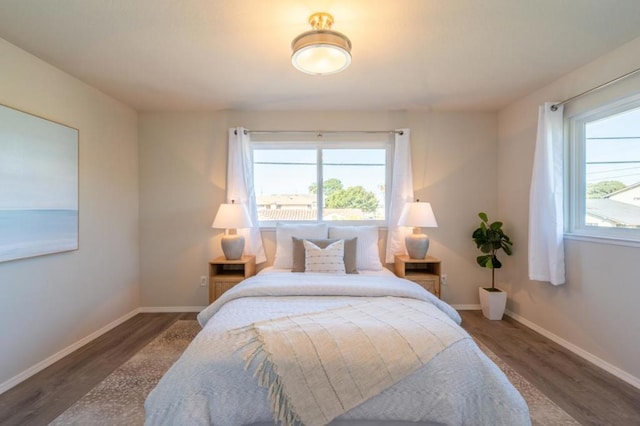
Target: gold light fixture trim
pixel 321 51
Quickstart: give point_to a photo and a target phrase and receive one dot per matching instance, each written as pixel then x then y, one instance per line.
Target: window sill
pixel 599 239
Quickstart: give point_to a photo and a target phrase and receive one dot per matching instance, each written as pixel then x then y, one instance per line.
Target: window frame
pixel 318 146
pixel 575 177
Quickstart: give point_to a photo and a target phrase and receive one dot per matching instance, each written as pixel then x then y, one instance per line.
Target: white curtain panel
pixel 240 188
pixel 546 217
pixel 401 193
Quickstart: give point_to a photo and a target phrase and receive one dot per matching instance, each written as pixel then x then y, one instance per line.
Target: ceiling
pixel 173 55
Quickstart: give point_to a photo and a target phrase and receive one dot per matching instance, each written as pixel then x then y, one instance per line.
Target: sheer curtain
pixel 401 193
pixel 240 188
pixel 546 217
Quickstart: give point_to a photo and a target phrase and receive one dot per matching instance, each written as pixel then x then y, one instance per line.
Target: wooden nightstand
pixel 425 272
pixel 224 274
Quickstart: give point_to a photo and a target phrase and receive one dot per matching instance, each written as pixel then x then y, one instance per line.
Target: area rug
pixel 119 399
pixel 542 410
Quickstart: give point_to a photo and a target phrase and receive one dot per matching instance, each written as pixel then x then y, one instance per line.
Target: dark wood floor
pixel 44 396
pixel 589 394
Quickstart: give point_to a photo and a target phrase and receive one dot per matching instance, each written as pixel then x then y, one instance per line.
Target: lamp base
pixel 232 246
pixel 417 245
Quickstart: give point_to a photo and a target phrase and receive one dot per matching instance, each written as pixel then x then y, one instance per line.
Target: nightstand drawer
pixel 223 284
pixel 429 283
pixel 425 272
pixel 224 274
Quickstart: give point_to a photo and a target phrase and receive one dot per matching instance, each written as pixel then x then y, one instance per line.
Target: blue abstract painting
pixel 38 186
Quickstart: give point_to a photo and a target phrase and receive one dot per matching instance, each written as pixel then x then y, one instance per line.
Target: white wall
pixel 50 302
pixel 182 181
pixel 596 310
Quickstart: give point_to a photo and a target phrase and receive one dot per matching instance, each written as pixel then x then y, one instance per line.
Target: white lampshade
pixel 232 216
pixel 419 215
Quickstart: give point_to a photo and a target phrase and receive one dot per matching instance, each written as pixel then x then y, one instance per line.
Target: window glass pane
pixel 354 184
pixel 612 171
pixel 282 180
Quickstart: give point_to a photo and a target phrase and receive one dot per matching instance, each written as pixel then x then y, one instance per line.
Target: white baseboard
pixel 466 307
pixel 621 374
pixel 77 345
pixel 156 309
pixel 64 352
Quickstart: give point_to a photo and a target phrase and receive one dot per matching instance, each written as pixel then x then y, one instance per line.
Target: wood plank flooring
pixel 589 394
pixel 44 396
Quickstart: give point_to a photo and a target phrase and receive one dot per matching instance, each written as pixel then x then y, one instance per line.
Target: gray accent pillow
pixel 350 246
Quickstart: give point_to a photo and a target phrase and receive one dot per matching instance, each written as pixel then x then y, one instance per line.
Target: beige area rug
pixel 542 410
pixel 119 399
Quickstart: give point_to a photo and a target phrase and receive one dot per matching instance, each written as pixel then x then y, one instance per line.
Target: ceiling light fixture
pixel 321 51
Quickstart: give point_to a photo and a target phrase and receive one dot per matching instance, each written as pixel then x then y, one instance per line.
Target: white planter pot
pixel 493 303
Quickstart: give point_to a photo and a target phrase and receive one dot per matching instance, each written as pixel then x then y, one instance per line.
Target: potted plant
pixel 490 239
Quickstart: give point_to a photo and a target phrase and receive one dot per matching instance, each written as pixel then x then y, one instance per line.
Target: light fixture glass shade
pixel 321 51
pixel 231 216
pixel 418 215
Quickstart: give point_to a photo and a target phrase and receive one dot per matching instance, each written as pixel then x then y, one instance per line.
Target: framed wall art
pixel 38 186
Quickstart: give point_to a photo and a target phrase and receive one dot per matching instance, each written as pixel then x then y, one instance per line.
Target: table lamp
pixel 230 217
pixel 418 215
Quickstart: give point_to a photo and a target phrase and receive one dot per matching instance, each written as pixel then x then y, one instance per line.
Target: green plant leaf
pixel 507 249
pixel 489 239
pixel 486 248
pixel 477 234
pixel 483 260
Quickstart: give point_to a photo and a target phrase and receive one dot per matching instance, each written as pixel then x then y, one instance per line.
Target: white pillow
pixel 329 260
pixel 284 243
pixel 367 253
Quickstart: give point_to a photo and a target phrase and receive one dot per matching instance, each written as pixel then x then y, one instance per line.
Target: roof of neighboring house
pixel 288 214
pixel 286 200
pixel 613 211
pixel 309 214
pixel 625 189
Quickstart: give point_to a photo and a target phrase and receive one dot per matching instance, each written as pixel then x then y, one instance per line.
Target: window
pixel 604 172
pixel 335 181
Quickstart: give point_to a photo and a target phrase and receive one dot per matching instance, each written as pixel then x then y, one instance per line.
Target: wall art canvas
pixel 38 186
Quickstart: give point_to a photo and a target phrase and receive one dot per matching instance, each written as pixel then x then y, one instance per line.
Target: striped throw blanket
pixel 317 366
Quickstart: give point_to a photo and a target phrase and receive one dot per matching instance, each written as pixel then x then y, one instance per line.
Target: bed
pixel 218 381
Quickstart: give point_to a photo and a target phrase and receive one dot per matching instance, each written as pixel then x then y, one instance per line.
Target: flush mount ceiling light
pixel 321 51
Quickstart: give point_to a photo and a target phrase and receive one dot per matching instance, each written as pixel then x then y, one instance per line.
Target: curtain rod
pixel 554 107
pixel 321 132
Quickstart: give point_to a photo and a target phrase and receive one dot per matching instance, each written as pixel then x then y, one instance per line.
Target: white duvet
pixel 209 385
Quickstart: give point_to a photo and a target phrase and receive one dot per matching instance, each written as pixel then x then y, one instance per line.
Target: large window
pixel 604 172
pixel 331 181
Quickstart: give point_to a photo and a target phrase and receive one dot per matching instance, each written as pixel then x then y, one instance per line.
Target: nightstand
pixel 224 274
pixel 425 272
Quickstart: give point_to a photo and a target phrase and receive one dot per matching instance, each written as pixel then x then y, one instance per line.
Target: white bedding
pixel 209 385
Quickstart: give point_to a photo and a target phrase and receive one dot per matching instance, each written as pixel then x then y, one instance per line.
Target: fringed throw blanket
pixel 318 366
